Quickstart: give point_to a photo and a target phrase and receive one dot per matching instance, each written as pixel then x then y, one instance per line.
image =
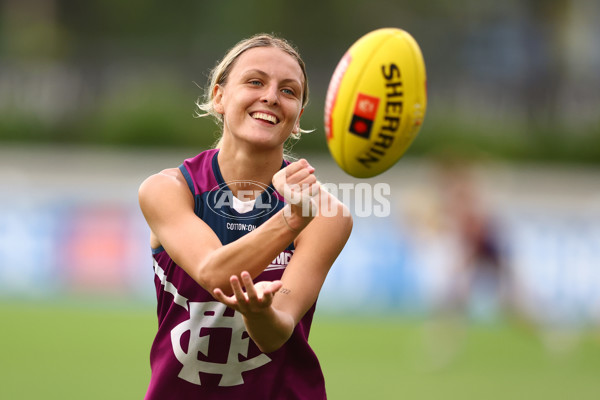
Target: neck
pixel 255 165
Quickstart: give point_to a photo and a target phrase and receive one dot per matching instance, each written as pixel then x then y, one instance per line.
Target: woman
pixel 234 306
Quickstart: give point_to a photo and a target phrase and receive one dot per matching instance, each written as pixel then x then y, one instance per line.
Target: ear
pixel 296 128
pixel 218 99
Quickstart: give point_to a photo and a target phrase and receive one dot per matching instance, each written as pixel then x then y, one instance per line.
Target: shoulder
pixel 170 178
pixel 164 185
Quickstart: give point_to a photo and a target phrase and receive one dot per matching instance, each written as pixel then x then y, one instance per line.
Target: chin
pixel 265 140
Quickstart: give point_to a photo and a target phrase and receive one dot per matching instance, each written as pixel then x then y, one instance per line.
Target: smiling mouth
pixel 265 117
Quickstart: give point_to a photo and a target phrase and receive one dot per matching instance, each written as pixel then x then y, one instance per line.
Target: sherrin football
pixel 376 102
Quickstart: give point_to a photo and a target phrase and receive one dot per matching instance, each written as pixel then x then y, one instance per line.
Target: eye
pixel 255 82
pixel 289 92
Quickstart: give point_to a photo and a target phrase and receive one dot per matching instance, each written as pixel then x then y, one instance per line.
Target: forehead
pixel 270 60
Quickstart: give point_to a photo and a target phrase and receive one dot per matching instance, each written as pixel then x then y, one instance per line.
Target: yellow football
pixel 376 102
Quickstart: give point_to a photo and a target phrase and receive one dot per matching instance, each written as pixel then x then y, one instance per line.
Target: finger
pixel 302 176
pixel 290 181
pixel 296 166
pixel 238 292
pixel 307 185
pixel 315 189
pixel 249 285
pixel 269 292
pixel 295 192
pixel 311 190
pixel 274 287
pixel 289 170
pixel 220 296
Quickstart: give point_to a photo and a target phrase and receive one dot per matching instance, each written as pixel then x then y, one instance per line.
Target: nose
pixel 270 95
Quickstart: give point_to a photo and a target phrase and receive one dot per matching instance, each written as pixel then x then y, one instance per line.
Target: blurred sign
pixel 28 246
pixel 62 239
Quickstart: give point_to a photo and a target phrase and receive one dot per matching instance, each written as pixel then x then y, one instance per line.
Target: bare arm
pixel 168 207
pixel 272 309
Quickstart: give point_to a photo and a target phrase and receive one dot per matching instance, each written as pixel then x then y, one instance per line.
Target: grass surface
pixel 383 359
pixel 59 351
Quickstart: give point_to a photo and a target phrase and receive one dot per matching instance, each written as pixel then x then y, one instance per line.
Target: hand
pixel 254 300
pixel 299 187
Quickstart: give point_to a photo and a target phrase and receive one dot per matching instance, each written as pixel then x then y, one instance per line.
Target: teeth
pixel 266 117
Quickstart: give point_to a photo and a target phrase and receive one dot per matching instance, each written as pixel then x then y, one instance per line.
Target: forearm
pixel 252 252
pixel 269 329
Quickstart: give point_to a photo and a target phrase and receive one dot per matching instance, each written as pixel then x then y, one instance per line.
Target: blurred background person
pixel 481 283
pixel 466 276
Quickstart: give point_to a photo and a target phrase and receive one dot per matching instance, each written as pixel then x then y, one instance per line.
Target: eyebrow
pixel 264 74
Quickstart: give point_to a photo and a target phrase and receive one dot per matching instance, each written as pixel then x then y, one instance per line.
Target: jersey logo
pixel 281 261
pixel 208 319
pixel 251 195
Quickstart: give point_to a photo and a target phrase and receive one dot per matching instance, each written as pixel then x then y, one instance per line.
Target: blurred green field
pixel 59 351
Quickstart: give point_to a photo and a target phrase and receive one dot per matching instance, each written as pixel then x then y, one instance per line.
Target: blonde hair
pixel 220 73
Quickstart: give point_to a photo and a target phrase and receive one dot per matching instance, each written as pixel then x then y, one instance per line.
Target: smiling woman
pixel 220 73
pixel 240 251
pixel 265 85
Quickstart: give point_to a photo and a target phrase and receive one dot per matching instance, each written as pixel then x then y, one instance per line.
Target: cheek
pixel 238 102
pixel 297 115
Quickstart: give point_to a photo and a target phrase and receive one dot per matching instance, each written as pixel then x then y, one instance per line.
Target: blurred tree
pixel 30 32
pixel 514 78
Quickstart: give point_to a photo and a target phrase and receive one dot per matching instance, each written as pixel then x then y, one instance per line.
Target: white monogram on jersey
pixel 212 315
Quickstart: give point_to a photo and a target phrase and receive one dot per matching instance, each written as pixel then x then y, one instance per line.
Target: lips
pixel 270 118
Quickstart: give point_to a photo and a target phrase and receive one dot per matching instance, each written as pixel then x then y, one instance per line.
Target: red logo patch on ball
pixel 365 111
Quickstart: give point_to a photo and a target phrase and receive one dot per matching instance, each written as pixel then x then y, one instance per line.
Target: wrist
pixel 295 230
pixel 269 328
pixel 294 219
